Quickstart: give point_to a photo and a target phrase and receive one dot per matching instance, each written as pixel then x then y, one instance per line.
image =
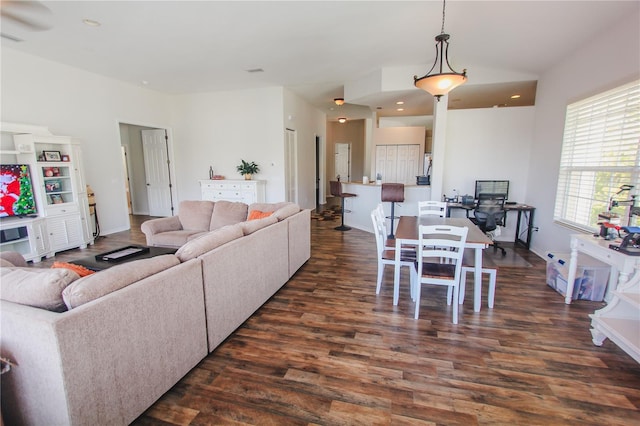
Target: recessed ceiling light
pixel 342 120
pixel 400 109
pixel 400 103
pixel 91 22
pixel 516 96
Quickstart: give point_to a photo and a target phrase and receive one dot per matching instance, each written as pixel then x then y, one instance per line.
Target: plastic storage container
pixel 591 280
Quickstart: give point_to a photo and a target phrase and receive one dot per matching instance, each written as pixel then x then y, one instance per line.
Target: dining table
pixel 407 235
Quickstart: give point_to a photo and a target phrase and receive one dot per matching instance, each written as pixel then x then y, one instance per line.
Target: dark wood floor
pixel 326 350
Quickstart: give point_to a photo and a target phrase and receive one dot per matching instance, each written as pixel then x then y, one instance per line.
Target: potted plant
pixel 247 169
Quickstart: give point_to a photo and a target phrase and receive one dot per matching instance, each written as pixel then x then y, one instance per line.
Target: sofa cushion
pixel 5 263
pixel 37 287
pixel 208 242
pixel 195 215
pixel 97 285
pixel 13 257
pixel 227 213
pixel 175 239
pixel 286 211
pixel 257 214
pixel 251 226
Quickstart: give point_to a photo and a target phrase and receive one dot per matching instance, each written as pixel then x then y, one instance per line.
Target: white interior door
pixel 343 161
pixel 156 164
pixel 291 166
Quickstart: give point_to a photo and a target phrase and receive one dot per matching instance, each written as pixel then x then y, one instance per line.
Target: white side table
pixel 622 265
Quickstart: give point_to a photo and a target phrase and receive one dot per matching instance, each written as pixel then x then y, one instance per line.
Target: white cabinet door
pixel 398 163
pixel 65 232
pixel 37 233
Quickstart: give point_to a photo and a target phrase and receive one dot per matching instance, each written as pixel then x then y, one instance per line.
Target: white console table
pixel 622 265
pixel 245 191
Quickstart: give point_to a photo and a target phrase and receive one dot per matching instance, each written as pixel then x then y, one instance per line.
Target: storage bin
pixel 592 276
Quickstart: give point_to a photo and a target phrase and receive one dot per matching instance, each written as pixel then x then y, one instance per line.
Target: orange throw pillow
pixel 80 270
pixel 257 214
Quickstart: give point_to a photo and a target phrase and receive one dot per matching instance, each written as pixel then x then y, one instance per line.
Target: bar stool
pixel 336 191
pixel 394 193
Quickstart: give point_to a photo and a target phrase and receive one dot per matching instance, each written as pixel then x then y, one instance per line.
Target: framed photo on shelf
pixel 56 199
pixel 65 157
pixel 52 156
pixel 52 185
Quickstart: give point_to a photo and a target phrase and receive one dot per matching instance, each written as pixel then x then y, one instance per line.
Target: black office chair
pixel 336 190
pixel 489 214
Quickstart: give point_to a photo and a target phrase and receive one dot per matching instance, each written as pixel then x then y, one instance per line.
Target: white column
pixel 438 146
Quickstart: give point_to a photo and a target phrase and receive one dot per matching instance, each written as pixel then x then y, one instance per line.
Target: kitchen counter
pixel 358 209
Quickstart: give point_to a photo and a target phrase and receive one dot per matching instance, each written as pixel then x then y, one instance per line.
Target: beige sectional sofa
pixel 135 329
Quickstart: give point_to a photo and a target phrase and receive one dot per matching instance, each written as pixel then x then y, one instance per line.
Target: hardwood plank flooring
pixel 327 350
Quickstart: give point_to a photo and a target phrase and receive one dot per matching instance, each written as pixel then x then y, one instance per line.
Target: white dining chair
pixel 436 208
pixel 435 266
pixel 387 255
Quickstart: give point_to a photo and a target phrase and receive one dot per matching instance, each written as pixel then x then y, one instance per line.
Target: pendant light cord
pixel 444 3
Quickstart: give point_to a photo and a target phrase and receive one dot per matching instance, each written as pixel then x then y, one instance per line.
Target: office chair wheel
pixel 496 248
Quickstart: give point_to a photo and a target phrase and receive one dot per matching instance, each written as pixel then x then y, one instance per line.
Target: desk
pixel 407 233
pixel 622 265
pixel 520 208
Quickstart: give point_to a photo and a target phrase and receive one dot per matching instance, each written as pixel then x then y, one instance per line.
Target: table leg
pixel 477 282
pixel 396 273
pixel 573 265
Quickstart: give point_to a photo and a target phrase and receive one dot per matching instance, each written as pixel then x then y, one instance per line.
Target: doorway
pixel 148 169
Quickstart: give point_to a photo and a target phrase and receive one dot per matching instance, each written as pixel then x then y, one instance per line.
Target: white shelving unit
pixel 245 191
pixel 620 319
pixel 59 187
pixel 55 164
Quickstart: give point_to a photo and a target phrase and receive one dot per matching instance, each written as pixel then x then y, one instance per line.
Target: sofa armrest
pixel 157 226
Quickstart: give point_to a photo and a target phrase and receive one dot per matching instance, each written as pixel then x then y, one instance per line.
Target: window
pixel 600 154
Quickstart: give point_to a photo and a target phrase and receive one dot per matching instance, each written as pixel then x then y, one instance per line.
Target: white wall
pixel 308 122
pixel 73 102
pixel 219 129
pixel 488 143
pixel 609 60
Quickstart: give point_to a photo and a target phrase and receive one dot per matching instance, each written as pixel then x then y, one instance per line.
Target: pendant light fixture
pixel 442 81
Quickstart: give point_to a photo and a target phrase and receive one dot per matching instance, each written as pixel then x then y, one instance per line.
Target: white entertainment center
pixel 59 190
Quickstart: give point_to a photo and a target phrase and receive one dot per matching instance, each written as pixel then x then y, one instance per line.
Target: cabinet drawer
pixel 57 209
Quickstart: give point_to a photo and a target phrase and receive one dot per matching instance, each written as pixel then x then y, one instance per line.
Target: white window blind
pixel 600 153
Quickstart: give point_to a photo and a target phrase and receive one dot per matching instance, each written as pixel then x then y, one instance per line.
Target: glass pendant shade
pixel 440 84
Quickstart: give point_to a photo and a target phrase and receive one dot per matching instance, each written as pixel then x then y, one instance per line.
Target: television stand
pixel 25 235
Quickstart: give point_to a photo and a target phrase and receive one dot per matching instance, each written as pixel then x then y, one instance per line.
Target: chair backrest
pixel 442 244
pixel 437 208
pixel 489 211
pixel 336 188
pixel 392 192
pixel 378 230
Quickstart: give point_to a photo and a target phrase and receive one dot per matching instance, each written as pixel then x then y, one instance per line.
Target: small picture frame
pixel 56 199
pixel 52 186
pixel 52 156
pixel 66 158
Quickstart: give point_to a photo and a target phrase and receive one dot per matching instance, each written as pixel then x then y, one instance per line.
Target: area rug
pixel 511 259
pixel 329 213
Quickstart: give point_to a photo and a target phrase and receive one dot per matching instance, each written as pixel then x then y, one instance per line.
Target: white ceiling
pixel 314 48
